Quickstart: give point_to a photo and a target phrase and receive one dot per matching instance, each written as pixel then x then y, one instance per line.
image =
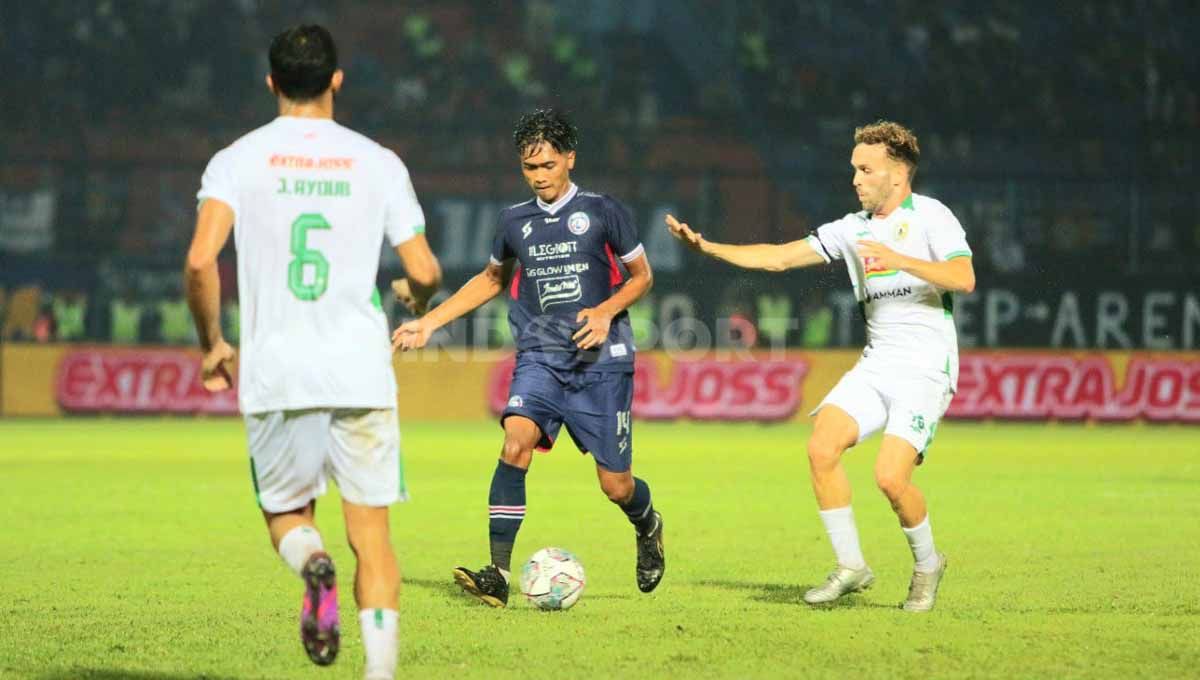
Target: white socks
pixel 381 642
pixel 297 544
pixel 843 534
pixel 379 626
pixel 920 539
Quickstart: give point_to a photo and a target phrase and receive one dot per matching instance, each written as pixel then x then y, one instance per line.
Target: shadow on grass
pixel 781 593
pixel 446 586
pixel 452 590
pixel 117 674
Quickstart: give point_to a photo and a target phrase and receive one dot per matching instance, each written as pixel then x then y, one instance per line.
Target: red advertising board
pixel 1004 385
pixel 703 389
pixel 1037 386
pixel 137 381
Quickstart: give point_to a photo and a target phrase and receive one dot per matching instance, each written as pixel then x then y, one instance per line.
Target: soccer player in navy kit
pixel 559 252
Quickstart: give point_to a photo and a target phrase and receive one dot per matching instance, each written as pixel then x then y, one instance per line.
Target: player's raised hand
pixel 215 367
pixel 881 255
pixel 411 335
pixel 596 323
pixel 404 295
pixel 684 233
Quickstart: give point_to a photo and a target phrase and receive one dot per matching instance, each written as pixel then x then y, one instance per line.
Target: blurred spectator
pixel 125 319
pixel 45 329
pixel 69 309
pixel 817 320
pixel 175 322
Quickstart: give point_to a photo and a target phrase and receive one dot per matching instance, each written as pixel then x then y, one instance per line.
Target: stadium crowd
pixel 1056 134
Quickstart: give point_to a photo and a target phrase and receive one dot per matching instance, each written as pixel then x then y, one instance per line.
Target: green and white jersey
pixel 313 202
pixel 910 326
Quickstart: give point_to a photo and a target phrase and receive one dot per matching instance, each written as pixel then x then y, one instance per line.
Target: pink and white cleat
pixel 319 630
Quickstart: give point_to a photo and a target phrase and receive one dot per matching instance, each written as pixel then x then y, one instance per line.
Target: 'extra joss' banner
pixel 1108 387
pixel 464 385
pixel 137 381
pixel 699 389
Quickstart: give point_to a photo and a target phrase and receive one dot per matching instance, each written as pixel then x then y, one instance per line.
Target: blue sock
pixel 639 510
pixel 506 510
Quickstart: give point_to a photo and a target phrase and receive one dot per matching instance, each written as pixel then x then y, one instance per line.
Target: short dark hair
pixel 901 143
pixel 303 59
pixel 545 125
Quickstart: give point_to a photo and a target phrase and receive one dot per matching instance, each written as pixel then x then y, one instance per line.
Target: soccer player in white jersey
pixel 906 255
pixel 312 202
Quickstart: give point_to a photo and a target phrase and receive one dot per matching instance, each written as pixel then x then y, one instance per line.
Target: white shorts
pixel 907 406
pixel 292 453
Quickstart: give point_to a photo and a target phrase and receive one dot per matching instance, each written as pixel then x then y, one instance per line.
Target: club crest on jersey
pixel 578 223
pixel 902 231
pixel 527 229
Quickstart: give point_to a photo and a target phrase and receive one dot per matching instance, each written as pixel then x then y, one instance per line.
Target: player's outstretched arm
pixel 956 275
pixel 482 287
pixel 423 274
pixel 767 256
pixel 203 286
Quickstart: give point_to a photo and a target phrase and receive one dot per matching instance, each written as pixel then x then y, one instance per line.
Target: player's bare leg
pixel 376 586
pixel 506 511
pixel 298 542
pixel 280 524
pixel 893 473
pixel 632 495
pixel 521 435
pixel 833 432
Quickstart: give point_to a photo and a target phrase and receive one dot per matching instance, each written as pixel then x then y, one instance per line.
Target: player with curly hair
pixel 906 254
pixel 558 254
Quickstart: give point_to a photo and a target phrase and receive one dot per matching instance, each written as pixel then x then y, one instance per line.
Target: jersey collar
pixel 563 200
pixel 906 204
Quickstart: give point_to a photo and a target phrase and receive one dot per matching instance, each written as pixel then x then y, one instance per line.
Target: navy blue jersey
pixel 567 254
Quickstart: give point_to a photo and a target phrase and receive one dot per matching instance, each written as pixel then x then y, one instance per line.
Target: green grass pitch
pixel 132 548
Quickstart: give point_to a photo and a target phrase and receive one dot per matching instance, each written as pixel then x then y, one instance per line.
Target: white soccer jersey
pixel 910 326
pixel 313 202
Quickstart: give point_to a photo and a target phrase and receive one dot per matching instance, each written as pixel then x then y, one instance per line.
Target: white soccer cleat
pixel 922 590
pixel 840 581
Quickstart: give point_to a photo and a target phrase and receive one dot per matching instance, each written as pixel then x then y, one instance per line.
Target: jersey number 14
pixel 306 259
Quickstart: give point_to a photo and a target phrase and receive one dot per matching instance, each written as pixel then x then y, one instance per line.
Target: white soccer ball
pixel 552 579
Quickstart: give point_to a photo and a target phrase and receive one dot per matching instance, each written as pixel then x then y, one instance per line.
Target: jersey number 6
pixel 306 257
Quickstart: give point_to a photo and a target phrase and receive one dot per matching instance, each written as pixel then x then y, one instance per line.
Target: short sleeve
pixel 403 217
pixel 827 240
pixel 622 233
pixel 947 239
pixel 500 249
pixel 217 181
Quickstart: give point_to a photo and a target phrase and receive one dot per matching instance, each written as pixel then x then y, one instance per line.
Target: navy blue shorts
pixel 594 405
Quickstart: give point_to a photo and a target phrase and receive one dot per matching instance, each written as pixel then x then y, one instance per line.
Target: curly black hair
pixel 545 125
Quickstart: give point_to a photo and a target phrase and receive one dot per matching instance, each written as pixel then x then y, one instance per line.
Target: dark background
pixel 1063 138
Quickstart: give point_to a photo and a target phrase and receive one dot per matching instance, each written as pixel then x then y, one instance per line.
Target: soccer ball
pixel 552 579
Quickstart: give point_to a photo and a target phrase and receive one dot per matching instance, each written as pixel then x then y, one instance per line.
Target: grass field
pixel 133 549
